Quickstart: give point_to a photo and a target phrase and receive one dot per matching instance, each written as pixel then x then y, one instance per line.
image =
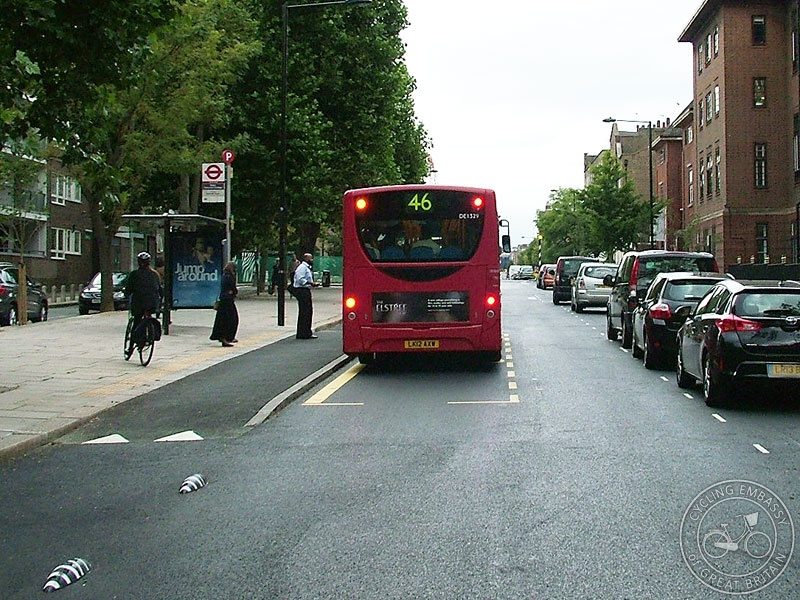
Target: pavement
pixel 58 375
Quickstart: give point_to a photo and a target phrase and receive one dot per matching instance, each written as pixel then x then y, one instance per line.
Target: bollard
pixel 63 293
pixel 72 291
pixel 326 278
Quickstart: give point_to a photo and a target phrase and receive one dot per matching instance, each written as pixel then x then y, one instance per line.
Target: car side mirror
pixel 608 280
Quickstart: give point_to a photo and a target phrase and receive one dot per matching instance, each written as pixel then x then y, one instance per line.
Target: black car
pixel 662 311
pixel 9 288
pixel 635 273
pixel 89 298
pixel 566 270
pixel 741 330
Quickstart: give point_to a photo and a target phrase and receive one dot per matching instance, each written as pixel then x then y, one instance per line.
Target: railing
pixel 26 201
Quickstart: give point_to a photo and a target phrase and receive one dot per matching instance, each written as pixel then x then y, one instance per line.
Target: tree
pixel 566 226
pixel 619 215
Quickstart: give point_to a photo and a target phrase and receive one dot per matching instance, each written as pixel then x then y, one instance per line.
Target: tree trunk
pixel 22 293
pixel 308 232
pixel 103 236
pixel 184 189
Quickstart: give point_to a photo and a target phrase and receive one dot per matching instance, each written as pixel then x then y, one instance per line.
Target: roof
pixel 690 275
pixel 648 253
pixel 699 20
pixel 751 284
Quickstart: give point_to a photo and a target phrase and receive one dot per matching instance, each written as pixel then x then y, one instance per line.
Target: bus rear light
pixel 491 300
pixel 477 202
pixel 361 204
pixel 350 302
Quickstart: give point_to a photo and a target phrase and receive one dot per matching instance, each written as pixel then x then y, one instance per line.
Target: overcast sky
pixel 513 92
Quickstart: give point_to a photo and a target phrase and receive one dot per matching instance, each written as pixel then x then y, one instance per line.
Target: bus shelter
pixel 193 249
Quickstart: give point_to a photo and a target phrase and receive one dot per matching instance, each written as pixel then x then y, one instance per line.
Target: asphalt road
pixel 562 473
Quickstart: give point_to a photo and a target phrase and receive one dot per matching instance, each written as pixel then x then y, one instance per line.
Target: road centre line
pixel 326 392
pixel 509 364
pixel 513 399
pixel 761 448
pixel 688 395
pixel 512 385
pixel 511 374
pixel 718 418
pixel 664 379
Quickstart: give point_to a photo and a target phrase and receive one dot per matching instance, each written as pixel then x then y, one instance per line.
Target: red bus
pixel 421 271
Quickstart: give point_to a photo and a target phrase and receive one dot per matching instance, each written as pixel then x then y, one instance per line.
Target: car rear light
pixel 350 302
pixel 582 283
pixel 634 275
pixel 4 290
pixel 661 311
pixel 738 324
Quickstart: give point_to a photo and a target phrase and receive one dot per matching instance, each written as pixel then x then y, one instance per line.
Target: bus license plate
pixel 421 344
pixel 781 370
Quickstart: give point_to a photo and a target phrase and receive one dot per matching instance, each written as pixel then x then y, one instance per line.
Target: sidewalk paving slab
pixel 56 376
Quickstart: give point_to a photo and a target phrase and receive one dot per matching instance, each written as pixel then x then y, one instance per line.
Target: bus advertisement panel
pixel 421 271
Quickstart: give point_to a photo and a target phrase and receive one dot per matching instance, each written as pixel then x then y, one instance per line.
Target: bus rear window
pixel 420 226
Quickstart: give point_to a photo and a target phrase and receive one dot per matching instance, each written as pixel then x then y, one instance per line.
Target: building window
pixel 662 156
pixel 762 242
pixel 701 189
pixel 65 241
pixel 759 91
pixel 700 112
pixel 716 100
pixel 759 30
pixel 690 181
pixel 709 107
pixel 796 143
pixel 709 175
pixel 708 48
pixel 761 165
pixel 716 41
pixel 717 164
pixel 689 134
pixel 700 59
pixel 66 189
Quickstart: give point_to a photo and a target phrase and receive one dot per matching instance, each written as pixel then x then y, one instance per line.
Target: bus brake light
pixel 350 302
pixel 361 203
pixel 491 300
pixel 477 202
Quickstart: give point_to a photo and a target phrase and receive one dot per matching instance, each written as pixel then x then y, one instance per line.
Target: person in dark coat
pixel 143 288
pixel 226 322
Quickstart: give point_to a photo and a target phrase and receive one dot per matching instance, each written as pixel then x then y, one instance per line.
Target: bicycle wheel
pixel 757 544
pixel 146 347
pixel 709 544
pixel 126 351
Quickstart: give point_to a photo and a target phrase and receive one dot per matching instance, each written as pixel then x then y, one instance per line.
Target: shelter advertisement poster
pixel 196 263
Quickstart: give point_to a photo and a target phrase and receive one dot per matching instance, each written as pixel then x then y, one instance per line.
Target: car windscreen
pixel 768 304
pixel 600 272
pixel 650 267
pixel 117 278
pixel 688 290
pixel 571 266
pixel 420 226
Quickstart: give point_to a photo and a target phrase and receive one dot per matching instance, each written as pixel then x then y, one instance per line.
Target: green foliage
pixel 566 227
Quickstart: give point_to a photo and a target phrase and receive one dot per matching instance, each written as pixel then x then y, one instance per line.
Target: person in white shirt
pixel 303 282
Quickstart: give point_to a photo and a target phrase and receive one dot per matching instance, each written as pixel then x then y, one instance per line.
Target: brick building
pixel 668 169
pixel 743 164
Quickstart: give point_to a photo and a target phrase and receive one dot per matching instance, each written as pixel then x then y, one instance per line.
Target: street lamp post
pixel 650 165
pixel 283 215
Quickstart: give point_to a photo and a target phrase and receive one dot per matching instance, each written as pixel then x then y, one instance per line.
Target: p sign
pixel 228 156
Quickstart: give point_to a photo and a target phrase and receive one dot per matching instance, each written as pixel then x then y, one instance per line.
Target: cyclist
pixel 143 289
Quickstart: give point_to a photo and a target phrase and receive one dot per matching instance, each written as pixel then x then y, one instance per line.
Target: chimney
pixel 668 121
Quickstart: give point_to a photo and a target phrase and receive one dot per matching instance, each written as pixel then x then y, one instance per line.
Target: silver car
pixel 587 287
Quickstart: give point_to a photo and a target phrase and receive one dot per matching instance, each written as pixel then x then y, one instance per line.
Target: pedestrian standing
pixel 226 322
pixel 303 282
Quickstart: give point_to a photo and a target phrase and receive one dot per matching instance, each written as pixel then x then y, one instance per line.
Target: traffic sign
pixel 213 172
pixel 228 156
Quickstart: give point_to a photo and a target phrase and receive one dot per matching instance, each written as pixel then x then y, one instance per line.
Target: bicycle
pixel 718 542
pixel 149 328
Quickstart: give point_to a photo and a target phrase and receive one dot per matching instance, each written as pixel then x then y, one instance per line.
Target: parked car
pixel 662 311
pixel 635 273
pixel 513 271
pixel 547 275
pixel 566 269
pixel 89 298
pixel 525 272
pixel 588 288
pixel 9 289
pixel 740 331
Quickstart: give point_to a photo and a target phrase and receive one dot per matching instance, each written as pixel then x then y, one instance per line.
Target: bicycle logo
pixel 737 537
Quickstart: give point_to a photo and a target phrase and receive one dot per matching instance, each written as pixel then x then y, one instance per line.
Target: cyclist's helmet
pixel 144 257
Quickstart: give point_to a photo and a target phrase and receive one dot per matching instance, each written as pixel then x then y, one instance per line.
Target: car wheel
pixel 82 310
pixel 12 316
pixel 556 301
pixel 635 350
pixel 41 316
pixel 682 378
pixel 611 333
pixel 366 358
pixel 715 391
pixel 578 307
pixel 649 356
pixel 627 335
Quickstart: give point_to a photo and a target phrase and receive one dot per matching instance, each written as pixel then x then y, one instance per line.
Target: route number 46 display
pixel 421 203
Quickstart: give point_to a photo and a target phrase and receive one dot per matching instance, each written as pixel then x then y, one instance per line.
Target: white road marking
pixel 595 328
pixel 624 350
pixel 512 385
pixel 511 374
pixel 183 436
pixel 509 357
pixel 718 418
pixel 514 400
pixel 114 438
pixel 664 378
pixel 509 364
pixel 761 448
pixel 688 395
